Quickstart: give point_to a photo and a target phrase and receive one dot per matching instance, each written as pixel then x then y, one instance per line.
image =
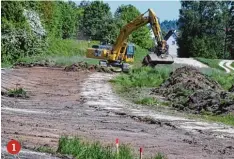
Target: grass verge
pixel 60 51
pixel 45 149
pixel 136 85
pixel 224 79
pixel 232 64
pixel 226 119
pixel 78 149
pixel 213 63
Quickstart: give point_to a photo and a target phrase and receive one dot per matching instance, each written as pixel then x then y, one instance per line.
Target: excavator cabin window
pixel 130 51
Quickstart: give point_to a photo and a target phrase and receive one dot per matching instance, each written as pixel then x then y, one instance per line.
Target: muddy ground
pixel 83 104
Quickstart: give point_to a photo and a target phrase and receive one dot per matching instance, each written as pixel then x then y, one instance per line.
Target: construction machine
pixel 121 54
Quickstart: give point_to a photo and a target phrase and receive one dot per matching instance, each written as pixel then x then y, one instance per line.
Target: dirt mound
pixel 203 101
pixel 85 66
pixel 42 63
pixel 231 89
pixel 192 91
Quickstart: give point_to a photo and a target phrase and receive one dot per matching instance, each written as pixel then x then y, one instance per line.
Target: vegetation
pixel 143 77
pixel 45 149
pixel 226 119
pixel 203 27
pixel 213 63
pixel 168 25
pixel 79 149
pixel 147 101
pixel 17 92
pixel 232 64
pixel 224 79
pixel 230 35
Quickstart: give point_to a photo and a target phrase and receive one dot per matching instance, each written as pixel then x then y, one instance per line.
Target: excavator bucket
pixel 152 59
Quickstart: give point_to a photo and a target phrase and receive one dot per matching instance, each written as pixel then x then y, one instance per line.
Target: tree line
pixel 206 28
pixel 64 20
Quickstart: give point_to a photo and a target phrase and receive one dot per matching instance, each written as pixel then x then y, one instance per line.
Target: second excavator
pixel 121 54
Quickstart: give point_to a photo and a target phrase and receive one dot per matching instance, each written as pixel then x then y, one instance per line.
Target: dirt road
pixel 83 104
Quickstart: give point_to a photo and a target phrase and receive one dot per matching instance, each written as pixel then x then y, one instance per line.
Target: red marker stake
pixel 141 154
pixel 117 145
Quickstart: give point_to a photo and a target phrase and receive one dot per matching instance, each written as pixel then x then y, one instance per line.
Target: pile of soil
pixel 85 66
pixel 192 91
pixel 43 63
pixel 231 89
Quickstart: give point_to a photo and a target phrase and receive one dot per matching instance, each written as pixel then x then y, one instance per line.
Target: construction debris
pixel 192 91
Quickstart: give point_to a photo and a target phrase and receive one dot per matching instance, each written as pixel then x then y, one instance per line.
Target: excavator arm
pixel 127 30
pixel 136 24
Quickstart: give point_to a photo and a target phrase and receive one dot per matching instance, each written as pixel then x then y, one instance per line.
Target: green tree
pixel 18 39
pixel 168 25
pixel 230 35
pixel 202 26
pixel 97 21
pixel 141 37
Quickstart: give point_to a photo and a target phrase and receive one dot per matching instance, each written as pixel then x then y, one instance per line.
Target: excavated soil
pixel 231 89
pixel 85 66
pixel 83 103
pixel 42 63
pixel 80 66
pixel 192 91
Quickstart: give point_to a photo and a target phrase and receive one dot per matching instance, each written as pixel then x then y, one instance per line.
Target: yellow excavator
pixel 121 54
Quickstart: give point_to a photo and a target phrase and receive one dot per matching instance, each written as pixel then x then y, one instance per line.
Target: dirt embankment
pixel 79 66
pixel 85 66
pixel 192 91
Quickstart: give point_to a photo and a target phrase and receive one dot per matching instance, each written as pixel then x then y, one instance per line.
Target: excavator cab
pixel 129 55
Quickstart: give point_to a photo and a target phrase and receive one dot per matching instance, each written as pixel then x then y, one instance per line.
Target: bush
pixel 18 39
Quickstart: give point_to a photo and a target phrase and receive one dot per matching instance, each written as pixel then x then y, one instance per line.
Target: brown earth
pixel 192 91
pixel 81 103
pixel 85 66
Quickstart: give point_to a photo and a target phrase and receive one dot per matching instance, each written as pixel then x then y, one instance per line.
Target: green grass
pixel 136 86
pixel 143 77
pixel 85 150
pixel 45 149
pixel 224 79
pixel 62 52
pixel 17 92
pixel 139 55
pixel 226 119
pixel 213 63
pixel 232 64
pixel 57 60
pixel 147 101
pixel 69 47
